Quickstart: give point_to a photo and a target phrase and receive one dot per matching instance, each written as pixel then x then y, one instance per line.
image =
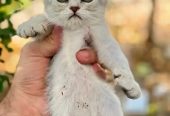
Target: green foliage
pixel 143 69
pixel 7 9
pixel 153 109
pixel 3 78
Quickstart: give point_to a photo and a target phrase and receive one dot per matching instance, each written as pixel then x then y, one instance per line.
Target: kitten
pixel 75 89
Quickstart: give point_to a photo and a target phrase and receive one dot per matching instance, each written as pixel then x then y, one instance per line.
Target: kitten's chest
pixel 65 59
pixel 74 40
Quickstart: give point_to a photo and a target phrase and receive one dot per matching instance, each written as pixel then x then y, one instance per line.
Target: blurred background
pixel 142 28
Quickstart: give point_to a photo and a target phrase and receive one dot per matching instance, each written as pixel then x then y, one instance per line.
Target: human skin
pixel 27 94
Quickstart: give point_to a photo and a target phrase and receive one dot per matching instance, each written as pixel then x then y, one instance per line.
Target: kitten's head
pixel 75 13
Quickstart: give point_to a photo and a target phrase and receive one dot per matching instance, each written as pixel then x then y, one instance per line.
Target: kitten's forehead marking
pixel 74 2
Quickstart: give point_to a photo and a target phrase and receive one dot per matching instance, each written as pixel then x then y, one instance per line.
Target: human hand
pixel 27 94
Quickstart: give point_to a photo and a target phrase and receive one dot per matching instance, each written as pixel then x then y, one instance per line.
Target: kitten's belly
pixel 75 90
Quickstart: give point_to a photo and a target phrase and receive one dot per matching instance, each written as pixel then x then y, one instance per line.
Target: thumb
pixel 51 44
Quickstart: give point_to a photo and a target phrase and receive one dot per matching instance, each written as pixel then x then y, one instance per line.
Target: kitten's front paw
pixel 37 27
pixel 127 83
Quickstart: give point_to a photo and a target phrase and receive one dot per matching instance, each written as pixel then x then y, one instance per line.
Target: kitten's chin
pixel 74 23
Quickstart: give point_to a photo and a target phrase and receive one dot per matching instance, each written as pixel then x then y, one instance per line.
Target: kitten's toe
pixel 24 31
pixel 19 31
pixel 133 93
pixel 126 81
pixel 130 87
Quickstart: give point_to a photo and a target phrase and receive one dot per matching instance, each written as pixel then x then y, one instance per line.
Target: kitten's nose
pixel 74 8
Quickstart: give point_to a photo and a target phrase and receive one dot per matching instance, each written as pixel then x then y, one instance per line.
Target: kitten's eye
pixel 88 1
pixel 62 1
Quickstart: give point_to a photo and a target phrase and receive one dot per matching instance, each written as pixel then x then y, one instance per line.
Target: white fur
pixel 75 89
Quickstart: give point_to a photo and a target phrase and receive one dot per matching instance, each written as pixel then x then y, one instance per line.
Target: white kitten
pixel 75 89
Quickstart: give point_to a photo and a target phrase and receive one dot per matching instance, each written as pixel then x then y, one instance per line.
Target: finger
pixel 86 56
pixel 46 47
pixel 100 71
pixel 55 37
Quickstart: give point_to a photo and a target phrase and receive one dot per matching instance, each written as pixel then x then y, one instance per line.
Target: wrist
pixel 2 109
pixel 6 109
pixel 16 104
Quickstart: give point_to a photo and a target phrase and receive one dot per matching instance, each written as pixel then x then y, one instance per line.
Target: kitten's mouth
pixel 75 16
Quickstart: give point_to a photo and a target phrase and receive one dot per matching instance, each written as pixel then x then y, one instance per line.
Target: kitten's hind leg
pixel 37 27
